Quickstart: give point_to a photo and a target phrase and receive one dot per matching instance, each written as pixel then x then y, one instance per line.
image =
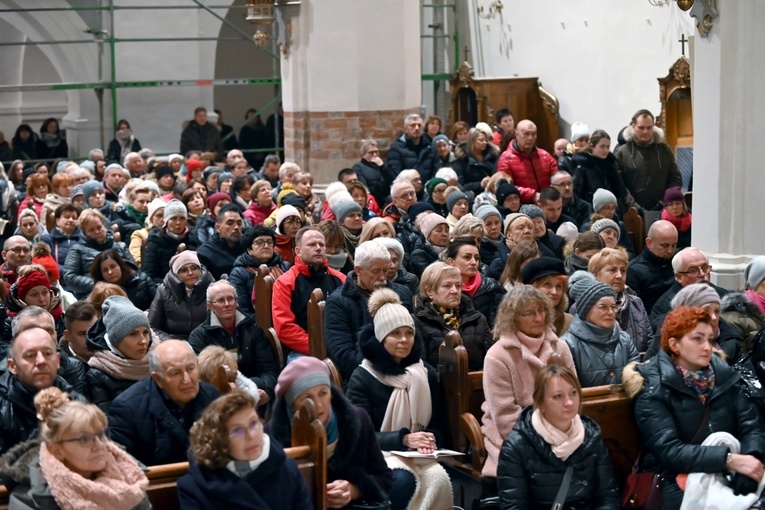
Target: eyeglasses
pixel 695 271
pixel 567 184
pixel 224 301
pixel 189 269
pixel 408 194
pixel 265 242
pixel 240 432
pixel 20 249
pixel 606 308
pixel 88 440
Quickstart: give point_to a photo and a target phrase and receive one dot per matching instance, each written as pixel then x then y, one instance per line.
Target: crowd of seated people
pixel 131 302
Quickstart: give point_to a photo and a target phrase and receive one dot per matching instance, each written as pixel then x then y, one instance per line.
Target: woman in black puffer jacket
pixel 598 168
pixel 163 243
pixel 476 161
pixel 550 437
pixel 110 267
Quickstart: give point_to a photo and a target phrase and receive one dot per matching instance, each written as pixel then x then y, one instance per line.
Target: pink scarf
pixel 563 444
pixel 682 223
pixel 756 299
pixel 121 486
pixel 471 287
pixel 533 344
pixel 122 368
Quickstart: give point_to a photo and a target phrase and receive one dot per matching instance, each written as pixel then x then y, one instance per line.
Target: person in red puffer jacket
pixel 530 166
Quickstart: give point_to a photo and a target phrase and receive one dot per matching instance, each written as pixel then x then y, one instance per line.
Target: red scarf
pixel 472 285
pixel 682 223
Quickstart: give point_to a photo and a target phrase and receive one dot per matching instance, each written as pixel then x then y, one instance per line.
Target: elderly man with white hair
pixel 346 310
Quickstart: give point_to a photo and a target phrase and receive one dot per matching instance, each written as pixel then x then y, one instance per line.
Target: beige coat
pixel 509 369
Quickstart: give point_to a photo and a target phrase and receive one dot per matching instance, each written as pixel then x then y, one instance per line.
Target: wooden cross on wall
pixel 682 41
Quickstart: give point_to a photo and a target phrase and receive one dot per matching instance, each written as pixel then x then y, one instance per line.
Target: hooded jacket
pixel 80 257
pixel 174 313
pixel 599 354
pixel 744 316
pixel 242 277
pixel 60 244
pixel 529 474
pixel 470 171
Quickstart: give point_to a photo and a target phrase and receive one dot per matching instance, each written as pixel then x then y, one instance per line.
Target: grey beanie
pixel 696 294
pixel 343 208
pixel 601 198
pixel 89 166
pixel 532 211
pixel 174 208
pixel 452 199
pixel 77 191
pixel 755 272
pixel 485 210
pixel 88 188
pixel 604 223
pixel 585 290
pixel 120 318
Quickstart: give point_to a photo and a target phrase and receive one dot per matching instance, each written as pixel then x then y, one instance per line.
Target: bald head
pixel 662 239
pixel 17 252
pixel 526 135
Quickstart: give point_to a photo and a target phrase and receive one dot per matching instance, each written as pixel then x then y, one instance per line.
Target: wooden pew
pixel 263 286
pixel 634 223
pixel 309 450
pixel 316 345
pixel 609 406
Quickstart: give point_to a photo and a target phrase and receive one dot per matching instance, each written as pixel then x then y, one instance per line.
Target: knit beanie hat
pixel 61 166
pixel 90 187
pixel 225 175
pixel 183 258
pixel 344 208
pixel 585 290
pixel 120 318
pixel 30 281
pixel 440 138
pixel 673 194
pixel 532 211
pixel 299 376
pixel 604 223
pixel 43 257
pixel 435 181
pixel 417 208
pixel 601 198
pixel 209 171
pixel 296 201
pixel 163 171
pixel 510 218
pixel 78 191
pixel 154 206
pixel 429 222
pixel 387 312
pixel 504 190
pixel 485 129
pixel 333 189
pixel 485 210
pixel 696 294
pixel 173 209
pixel 27 172
pixel 568 231
pixel 213 200
pixel 755 272
pixel 172 157
pixel 153 186
pixel 454 197
pixel 541 267
pixel 579 130
pixel 191 166
pixel 282 214
pixel 89 166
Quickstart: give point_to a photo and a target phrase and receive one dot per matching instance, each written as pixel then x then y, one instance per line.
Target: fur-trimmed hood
pixel 738 302
pixel 15 464
pixel 629 134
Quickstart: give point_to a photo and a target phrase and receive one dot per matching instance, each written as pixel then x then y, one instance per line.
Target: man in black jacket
pixel 411 149
pixel 650 274
pixel 573 206
pixel 231 329
pixel 221 250
pixel 346 309
pixel 373 172
pixel 201 135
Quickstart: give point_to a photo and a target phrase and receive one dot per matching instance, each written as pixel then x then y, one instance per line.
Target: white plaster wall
pixel 600 58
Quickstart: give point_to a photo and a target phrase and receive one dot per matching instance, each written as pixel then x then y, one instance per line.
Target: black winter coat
pixel 114 152
pixel 217 256
pixel 357 459
pixel 421 257
pixel 471 172
pixel 205 137
pixel 529 474
pixel 408 236
pixel 140 289
pixel 474 330
pixel 242 277
pixel 126 223
pixel 487 298
pixel 593 172
pixel 663 305
pixel 175 314
pixel 377 179
pixel 345 314
pixel 255 357
pixel 650 277
pixel 497 266
pixel 404 154
pixel 578 209
pixel 368 393
pixel 80 257
pixel 159 249
pixel 275 484
pixel 141 420
pixel 554 243
pixel 669 415
pixel 408 280
pixel 50 153
pixel 60 244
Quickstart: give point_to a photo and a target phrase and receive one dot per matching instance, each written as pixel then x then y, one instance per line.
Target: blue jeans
pixel 404 486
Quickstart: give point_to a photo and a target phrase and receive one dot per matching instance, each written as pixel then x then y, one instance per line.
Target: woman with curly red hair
pixel 684 395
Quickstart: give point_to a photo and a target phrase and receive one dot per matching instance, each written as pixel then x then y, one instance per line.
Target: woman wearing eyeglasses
pixel 234 464
pixel 73 464
pixel 599 347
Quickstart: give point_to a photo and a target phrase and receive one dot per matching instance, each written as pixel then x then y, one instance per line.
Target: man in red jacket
pixel 292 290
pixel 530 167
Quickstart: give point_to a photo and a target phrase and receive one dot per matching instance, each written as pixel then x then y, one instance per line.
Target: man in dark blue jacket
pixel 410 150
pixel 221 250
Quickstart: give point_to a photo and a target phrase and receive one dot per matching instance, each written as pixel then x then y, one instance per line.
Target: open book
pixel 413 454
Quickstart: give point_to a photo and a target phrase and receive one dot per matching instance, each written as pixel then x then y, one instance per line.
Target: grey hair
pixel 678 261
pixel 155 364
pixel 29 311
pixel 407 175
pixel 392 244
pixel 272 158
pixel 410 117
pixel 366 144
pixel 369 251
pixel 93 152
pixel 559 173
pixel 215 285
pixel 469 225
pixel 396 185
pixel 447 174
pixel 286 167
pixel 128 157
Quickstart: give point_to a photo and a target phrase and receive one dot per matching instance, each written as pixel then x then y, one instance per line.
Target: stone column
pixel 729 125
pixel 351 71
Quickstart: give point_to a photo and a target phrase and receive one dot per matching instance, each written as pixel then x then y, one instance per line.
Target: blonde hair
pixel 58 415
pixel 89 216
pixel 514 303
pixel 554 368
pixel 369 227
pixel 434 274
pixel 491 186
pixel 212 357
pixel 101 291
pixel 606 257
pixel 467 226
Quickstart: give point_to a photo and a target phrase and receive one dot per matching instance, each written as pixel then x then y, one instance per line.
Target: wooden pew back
pixel 317 347
pixel 263 287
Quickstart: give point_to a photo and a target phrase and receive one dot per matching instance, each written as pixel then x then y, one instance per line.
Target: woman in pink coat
pixel 525 341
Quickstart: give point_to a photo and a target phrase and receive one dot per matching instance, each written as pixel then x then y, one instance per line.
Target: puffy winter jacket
pixel 474 330
pixel 256 213
pixel 159 249
pixel 175 314
pixel 126 223
pixel 80 257
pixel 140 289
pixel 345 314
pixel 744 316
pixel 487 298
pixel 669 415
pixel 470 171
pixel 242 277
pixel 377 179
pixel 60 244
pixel 599 354
pixel 529 474
pixel 663 305
pixel 404 154
pixel 593 172
pixel 422 256
pixel 650 277
pixel 217 256
pixel 633 319
pixel 531 172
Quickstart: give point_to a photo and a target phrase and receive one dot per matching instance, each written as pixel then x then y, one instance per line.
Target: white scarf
pixel 563 444
pixel 265 451
pixel 409 405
